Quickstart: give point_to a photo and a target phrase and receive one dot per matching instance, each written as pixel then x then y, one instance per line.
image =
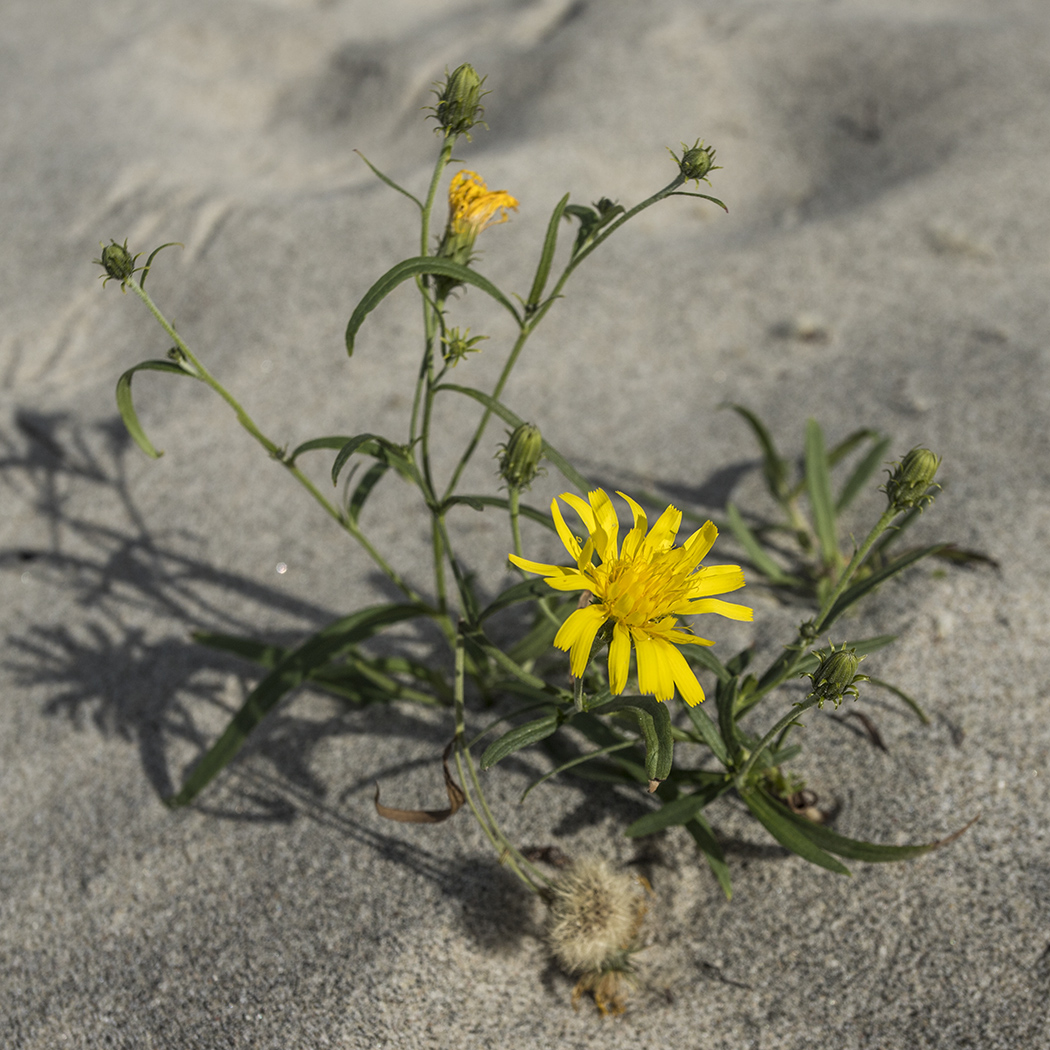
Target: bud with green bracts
pixel 909 482
pixel 520 461
pixel 117 261
pixel 459 106
pixel 696 162
pixel 836 676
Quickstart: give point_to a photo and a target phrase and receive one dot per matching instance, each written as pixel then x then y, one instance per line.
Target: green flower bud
pixel 117 261
pixel 908 484
pixel 836 676
pixel 520 461
pixel 459 106
pixel 456 345
pixel 696 161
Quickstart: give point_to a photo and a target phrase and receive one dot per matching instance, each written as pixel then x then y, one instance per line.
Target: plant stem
pixel 788 719
pixel 198 371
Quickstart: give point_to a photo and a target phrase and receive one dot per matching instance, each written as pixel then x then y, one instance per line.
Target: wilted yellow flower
pixel 473 207
pixel 640 589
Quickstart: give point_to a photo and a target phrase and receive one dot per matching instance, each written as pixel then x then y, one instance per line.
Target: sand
pixel 883 263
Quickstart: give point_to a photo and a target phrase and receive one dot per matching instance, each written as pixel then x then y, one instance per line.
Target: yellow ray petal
pixel 577 635
pixel 619 659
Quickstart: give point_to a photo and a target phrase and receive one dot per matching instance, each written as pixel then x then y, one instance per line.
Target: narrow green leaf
pixel 818 486
pixel 705 657
pixel 127 408
pixel 373 445
pixel 601 733
pixel 336 441
pixel 705 839
pixel 481 502
pixel 787 833
pixel 253 649
pixel 654 721
pixel 680 811
pixel 390 182
pixel 774 467
pixel 858 590
pixel 725 701
pixel 839 452
pixel 418 267
pixel 520 592
pixel 708 732
pixel 285 676
pixel 501 410
pixel 550 242
pixel 861 474
pixel 364 489
pixel 144 272
pixel 519 737
pixel 855 849
pixel 579 760
pixel 702 196
pixel 753 549
pixel 913 704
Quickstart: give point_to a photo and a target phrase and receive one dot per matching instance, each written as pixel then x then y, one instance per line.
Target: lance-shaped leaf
pixel 336 441
pixel 501 410
pixel 481 502
pixel 862 473
pixel 682 809
pixel 774 466
pixel 705 839
pixel 127 407
pixel 654 721
pixel 519 737
pixel 291 672
pixel 579 760
pixel 379 447
pixel 818 487
pixel 419 267
pixel 824 838
pixel 869 583
pixel 787 832
pixel 754 550
pixel 550 242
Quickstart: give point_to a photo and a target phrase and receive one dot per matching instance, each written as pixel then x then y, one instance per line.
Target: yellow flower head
pixel 473 207
pixel 641 588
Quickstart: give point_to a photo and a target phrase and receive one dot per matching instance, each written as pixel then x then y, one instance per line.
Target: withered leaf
pixel 456 798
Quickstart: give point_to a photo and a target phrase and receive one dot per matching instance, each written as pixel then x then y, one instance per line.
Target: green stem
pixel 788 719
pixel 531 876
pixel 789 664
pixel 514 497
pixel 274 450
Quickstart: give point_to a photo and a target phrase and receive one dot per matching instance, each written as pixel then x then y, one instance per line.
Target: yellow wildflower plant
pixel 641 588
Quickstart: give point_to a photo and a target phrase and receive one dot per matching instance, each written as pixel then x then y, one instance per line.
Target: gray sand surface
pixel 885 163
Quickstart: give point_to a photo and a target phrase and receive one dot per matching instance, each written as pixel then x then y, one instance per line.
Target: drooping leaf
pixel 364 489
pixel 654 721
pixel 336 441
pixel 481 502
pixel 419 267
pixel 127 407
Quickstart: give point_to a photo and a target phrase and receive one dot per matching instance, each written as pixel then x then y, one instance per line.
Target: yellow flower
pixel 473 207
pixel 641 588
